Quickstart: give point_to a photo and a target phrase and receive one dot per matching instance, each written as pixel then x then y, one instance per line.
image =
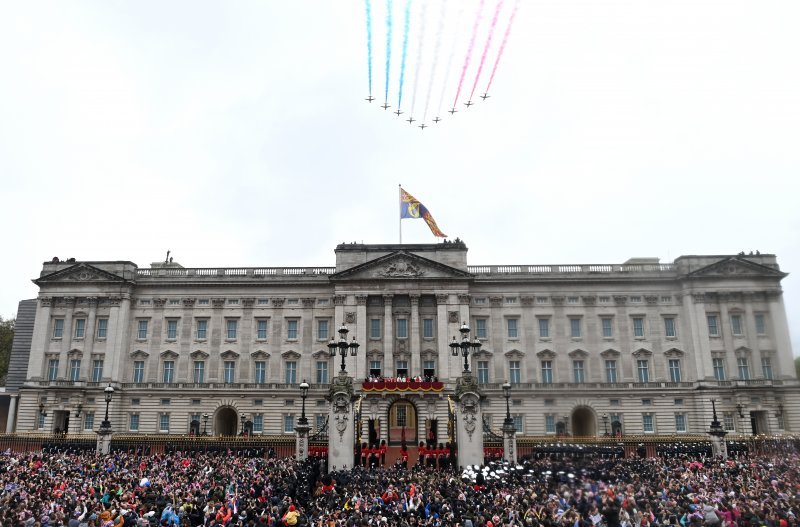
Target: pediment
pixel 578 354
pixel 259 355
pixel 321 354
pixel 168 354
pixel 734 267
pixel 642 352
pixel 229 355
pixel 81 272
pixel 401 265
pixel 290 355
pixel 610 353
pixel 673 353
pixel 546 354
pixel 514 354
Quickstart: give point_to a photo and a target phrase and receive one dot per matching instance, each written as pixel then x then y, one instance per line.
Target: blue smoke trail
pixel 369 43
pixel 406 25
pixel 388 47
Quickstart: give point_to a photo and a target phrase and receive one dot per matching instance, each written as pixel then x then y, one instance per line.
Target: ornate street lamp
pixel 205 424
pixel 718 432
pixel 465 345
pixel 108 391
pixel 303 394
pixel 507 395
pixel 243 419
pixel 605 423
pixel 342 345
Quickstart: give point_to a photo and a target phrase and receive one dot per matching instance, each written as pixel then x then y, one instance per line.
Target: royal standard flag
pixel 410 207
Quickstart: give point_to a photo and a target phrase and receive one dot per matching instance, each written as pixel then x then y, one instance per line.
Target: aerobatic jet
pixel 469 103
pixel 410 120
pixel 385 106
pixel 422 126
pixel 485 96
pixel 436 120
pixel 452 111
pixel 398 112
pixel 370 98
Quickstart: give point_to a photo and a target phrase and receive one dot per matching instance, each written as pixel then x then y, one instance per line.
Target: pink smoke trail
pixel 469 53
pixel 486 47
pixel 503 45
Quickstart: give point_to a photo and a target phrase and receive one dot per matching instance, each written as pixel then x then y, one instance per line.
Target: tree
pixel 6 339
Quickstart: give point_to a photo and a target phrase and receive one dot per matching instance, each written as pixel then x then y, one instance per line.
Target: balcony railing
pixel 571 269
pixel 236 272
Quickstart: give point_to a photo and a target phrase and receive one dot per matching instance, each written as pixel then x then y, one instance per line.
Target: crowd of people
pixel 73 489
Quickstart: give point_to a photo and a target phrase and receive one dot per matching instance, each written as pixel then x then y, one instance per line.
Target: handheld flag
pixel 410 207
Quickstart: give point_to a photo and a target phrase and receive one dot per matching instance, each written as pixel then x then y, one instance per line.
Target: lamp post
pixel 108 391
pixel 718 433
pixel 205 424
pixel 104 433
pixel 465 345
pixel 303 394
pixel 243 419
pixel 509 430
pixel 605 423
pixel 342 346
pixel 565 418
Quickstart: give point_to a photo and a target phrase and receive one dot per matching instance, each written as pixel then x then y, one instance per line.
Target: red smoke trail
pixel 503 45
pixel 486 47
pixel 469 53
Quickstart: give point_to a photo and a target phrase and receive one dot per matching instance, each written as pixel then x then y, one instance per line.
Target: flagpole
pixel 400 216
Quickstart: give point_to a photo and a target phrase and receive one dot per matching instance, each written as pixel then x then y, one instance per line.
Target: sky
pixel 236 133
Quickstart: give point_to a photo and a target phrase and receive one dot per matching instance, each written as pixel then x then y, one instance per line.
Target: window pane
pixel 550 424
pixel 669 327
pixel 291 329
pixel 142 330
pixel 199 371
pixel 138 371
pixel 761 325
pixel 638 327
pixel 736 324
pixel 97 370
pixel 480 328
pixel 402 328
pixel 647 422
pixel 512 328
pixel 172 329
pixel 766 367
pixel 544 327
pixel 229 372
pixel 713 327
pixel 261 329
pixel 680 423
pixel 514 372
pixel 719 369
pixel 102 328
pixel 261 372
pixel 608 329
pixel 547 372
pixel 322 372
pixel 288 424
pixel 322 329
pixel 74 369
pixel 169 371
pixel 80 328
pixel 291 372
pixel 134 423
pixel 427 328
pixel 611 371
pixel 575 327
pixel 744 368
pixel 675 370
pixel 231 329
pixel 578 372
pixel 483 371
pixel 644 370
pixel 375 328
pixel 58 328
pixel 202 328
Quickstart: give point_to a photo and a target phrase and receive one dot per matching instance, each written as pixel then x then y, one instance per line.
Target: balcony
pixel 408 386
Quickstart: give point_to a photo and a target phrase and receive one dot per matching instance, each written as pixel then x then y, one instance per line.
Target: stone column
pixel 388 337
pixel 40 342
pixel 509 441
pixel 301 443
pixel 66 338
pixel 341 426
pixel 442 337
pixel 88 340
pixel 469 421
pixel 104 436
pixel 118 341
pixel 12 412
pixel 361 361
pixel 783 343
pixel 414 341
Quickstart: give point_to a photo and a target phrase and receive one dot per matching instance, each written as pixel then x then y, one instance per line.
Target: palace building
pixel 589 349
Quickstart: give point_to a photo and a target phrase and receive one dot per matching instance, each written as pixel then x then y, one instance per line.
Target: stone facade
pixel 637 347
